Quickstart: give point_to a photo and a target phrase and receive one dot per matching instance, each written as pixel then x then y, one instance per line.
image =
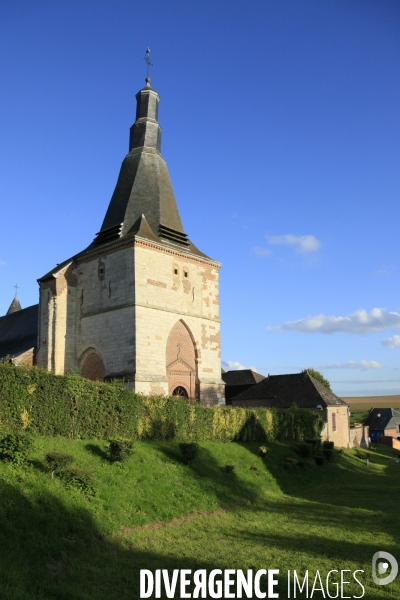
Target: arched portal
pixel 180 392
pixel 92 366
pixel 181 361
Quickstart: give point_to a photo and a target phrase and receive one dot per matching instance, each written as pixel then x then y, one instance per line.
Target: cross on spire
pixel 16 288
pixel 148 63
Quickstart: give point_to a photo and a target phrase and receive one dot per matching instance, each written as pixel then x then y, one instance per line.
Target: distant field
pixel 364 403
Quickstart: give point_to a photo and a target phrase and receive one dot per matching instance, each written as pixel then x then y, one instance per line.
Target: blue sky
pixel 281 128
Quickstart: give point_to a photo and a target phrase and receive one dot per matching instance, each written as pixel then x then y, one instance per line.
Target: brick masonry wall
pixel 26 358
pixel 392 432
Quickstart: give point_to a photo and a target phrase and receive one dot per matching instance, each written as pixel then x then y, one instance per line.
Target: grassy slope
pixel 153 512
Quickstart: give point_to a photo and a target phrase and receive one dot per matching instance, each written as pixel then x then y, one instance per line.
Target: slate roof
pixel 14 306
pixel 241 377
pixel 379 419
pixel 18 331
pixel 144 185
pixel 282 391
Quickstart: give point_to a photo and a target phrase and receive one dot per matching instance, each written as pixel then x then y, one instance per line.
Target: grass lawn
pixel 152 512
pixel 357 417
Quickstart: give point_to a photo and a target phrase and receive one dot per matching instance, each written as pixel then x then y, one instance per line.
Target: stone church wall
pixel 105 310
pixel 172 286
pixel 122 305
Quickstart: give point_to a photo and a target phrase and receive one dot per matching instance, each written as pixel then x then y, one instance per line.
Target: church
pixel 141 302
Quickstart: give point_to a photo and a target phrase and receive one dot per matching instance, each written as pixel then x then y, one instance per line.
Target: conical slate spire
pixel 14 306
pixel 144 186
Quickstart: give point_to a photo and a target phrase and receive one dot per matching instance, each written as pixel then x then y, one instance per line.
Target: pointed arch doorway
pixel 181 362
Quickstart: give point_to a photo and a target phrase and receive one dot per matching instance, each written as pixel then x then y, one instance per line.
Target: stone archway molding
pixel 181 360
pixel 91 365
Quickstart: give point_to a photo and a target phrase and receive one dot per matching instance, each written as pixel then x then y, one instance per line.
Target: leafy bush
pixel 15 446
pixel 319 459
pixel 189 451
pixel 262 451
pixel 57 461
pixel 329 455
pixel 289 463
pixel 119 449
pixel 327 445
pixel 328 450
pixel 315 443
pixel 304 450
pixel 74 407
pixel 78 479
pixel 228 468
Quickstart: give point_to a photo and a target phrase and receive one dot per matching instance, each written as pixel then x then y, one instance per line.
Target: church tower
pixel 141 302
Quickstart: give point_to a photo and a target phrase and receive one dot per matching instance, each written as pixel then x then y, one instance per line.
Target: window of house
pixel 333 422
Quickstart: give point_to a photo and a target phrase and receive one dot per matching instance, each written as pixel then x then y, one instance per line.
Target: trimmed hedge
pixel 73 407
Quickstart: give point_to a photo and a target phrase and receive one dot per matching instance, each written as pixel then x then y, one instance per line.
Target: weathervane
pixel 148 62
pixel 16 288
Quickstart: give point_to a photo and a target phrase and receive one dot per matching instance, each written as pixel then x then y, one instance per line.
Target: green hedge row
pixel 74 407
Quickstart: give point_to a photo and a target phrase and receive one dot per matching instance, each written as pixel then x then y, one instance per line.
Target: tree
pixel 319 377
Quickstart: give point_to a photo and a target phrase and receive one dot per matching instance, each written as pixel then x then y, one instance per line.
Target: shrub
pixel 228 468
pixel 289 463
pixel 361 454
pixel 56 461
pixel 319 459
pixel 327 445
pixel 119 449
pixel 329 455
pixel 74 407
pixel 304 450
pixel 328 450
pixel 78 479
pixel 262 451
pixel 189 451
pixel 15 446
pixel 315 443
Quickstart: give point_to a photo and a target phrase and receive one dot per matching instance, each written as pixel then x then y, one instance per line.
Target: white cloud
pixel 303 244
pixel 392 342
pixel 259 251
pixel 385 270
pixel 234 365
pixel 359 323
pixel 364 365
